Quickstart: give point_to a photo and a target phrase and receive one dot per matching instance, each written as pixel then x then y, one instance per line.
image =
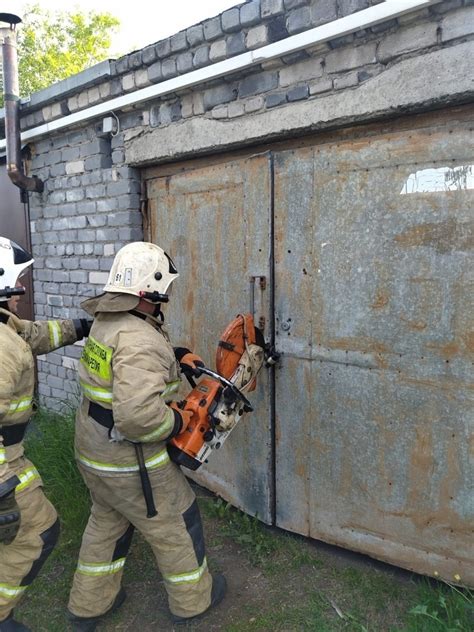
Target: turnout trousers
pixel 22 560
pixel 175 535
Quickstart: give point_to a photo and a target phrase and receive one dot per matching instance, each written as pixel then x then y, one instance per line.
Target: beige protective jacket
pixel 20 340
pixel 127 366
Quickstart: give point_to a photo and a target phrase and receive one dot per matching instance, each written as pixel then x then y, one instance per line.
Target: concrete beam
pixel 443 77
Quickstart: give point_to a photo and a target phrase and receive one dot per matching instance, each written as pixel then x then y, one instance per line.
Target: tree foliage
pixel 55 45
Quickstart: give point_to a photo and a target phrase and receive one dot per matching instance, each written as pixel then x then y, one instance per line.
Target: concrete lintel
pixel 443 77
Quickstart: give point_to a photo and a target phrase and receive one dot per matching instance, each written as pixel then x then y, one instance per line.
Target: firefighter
pixel 29 526
pixel 128 372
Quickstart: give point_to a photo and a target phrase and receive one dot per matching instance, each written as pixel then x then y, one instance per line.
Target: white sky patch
pixel 441 179
pixel 143 22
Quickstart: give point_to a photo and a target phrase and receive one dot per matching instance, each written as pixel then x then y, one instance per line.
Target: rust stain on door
pixel 444 237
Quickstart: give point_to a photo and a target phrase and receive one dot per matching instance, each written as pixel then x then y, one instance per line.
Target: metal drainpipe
pixel 11 94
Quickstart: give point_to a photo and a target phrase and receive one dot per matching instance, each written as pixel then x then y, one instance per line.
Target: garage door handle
pixel 262 283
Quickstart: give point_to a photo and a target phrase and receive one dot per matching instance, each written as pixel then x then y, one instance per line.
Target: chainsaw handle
pixel 225 382
pixel 191 380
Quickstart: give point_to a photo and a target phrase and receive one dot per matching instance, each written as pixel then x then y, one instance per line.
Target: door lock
pixel 262 286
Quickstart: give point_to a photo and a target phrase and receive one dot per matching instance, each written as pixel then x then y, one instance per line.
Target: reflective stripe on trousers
pixel 187 578
pixel 100 568
pixel 21 561
pixel 10 592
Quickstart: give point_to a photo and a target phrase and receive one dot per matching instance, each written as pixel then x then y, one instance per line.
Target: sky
pixel 143 22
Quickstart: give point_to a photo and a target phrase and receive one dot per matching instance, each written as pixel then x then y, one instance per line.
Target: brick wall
pixel 89 209
pixel 91 203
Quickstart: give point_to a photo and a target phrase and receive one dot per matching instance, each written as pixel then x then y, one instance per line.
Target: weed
pixel 443 608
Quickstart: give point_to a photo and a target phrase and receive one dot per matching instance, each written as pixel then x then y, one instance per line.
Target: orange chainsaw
pixel 217 402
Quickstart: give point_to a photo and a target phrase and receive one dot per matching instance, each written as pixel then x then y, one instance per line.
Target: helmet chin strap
pixel 154 297
pixel 8 292
pixel 157 313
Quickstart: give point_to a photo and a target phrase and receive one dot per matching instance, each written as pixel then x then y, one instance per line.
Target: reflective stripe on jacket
pixel 161 458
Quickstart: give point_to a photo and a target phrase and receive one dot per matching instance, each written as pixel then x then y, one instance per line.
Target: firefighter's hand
pixel 189 362
pixel 181 420
pixel 9 518
pixel 82 327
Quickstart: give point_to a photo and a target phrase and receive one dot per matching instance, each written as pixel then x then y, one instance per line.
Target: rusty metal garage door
pixel 215 222
pixel 375 313
pixel 373 296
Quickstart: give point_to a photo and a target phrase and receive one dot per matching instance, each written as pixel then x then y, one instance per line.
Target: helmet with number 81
pixel 142 269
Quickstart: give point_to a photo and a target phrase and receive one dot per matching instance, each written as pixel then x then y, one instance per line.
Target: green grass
pixel 292 584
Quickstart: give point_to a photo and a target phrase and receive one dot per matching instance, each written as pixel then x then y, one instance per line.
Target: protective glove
pixel 189 362
pixel 9 518
pixel 82 327
pixel 181 419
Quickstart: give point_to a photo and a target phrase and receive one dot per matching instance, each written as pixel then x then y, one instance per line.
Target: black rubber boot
pixel 10 625
pixel 219 589
pixel 89 624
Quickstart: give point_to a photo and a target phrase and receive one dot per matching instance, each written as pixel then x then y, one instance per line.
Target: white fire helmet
pixel 13 261
pixel 144 270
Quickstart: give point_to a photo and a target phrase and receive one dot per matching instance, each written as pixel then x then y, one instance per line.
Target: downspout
pixel 11 94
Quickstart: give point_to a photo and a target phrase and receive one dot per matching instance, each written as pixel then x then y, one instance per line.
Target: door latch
pixel 262 286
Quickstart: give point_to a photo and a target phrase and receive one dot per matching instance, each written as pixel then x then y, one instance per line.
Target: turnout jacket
pixel 127 367
pixel 20 340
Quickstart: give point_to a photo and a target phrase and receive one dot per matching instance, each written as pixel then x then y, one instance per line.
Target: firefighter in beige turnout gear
pixel 28 522
pixel 127 372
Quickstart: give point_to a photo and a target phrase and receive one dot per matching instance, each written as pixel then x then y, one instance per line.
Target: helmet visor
pixel 172 267
pixel 20 255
